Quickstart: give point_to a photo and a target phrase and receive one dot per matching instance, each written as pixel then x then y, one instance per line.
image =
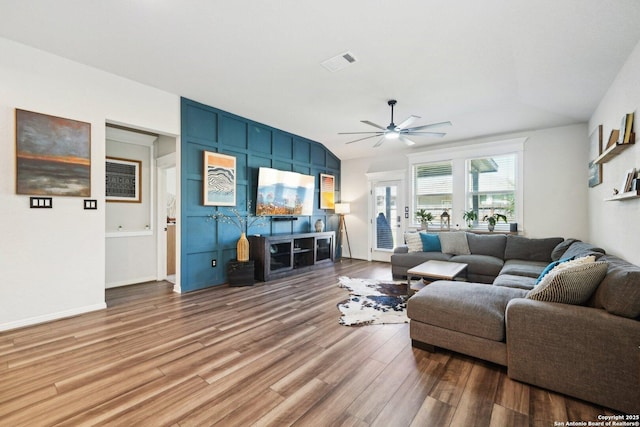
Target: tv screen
pixel 283 193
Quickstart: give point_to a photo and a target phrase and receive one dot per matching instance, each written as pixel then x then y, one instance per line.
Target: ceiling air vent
pixel 339 62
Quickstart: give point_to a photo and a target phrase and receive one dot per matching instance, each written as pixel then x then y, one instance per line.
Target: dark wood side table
pixel 241 273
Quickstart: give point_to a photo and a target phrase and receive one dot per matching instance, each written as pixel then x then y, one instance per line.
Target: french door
pixel 386 219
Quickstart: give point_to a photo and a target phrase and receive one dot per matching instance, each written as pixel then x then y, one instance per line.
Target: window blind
pixel 433 179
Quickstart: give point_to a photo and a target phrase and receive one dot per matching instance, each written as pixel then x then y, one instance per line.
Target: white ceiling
pixel 490 66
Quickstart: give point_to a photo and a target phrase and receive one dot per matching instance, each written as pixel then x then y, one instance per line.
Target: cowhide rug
pixel 373 302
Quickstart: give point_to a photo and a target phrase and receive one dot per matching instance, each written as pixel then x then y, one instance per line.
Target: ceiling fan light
pixel 392 134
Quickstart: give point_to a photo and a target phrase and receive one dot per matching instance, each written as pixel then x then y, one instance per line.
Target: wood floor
pixel 271 354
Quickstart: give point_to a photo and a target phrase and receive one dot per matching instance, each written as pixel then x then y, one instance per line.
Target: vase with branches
pixel 242 223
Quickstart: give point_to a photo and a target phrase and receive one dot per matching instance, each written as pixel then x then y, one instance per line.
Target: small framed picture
pixel 327 191
pixel 595 174
pixel 123 180
pixel 219 180
pixel 595 147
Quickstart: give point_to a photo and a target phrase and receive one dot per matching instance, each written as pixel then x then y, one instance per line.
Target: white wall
pixel 615 225
pixel 354 189
pixel 53 260
pixel 130 259
pixel 555 184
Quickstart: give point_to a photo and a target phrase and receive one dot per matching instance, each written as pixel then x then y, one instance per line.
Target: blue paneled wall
pixel 253 145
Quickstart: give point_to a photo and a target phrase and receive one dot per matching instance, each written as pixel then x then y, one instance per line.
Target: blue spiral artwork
pixel 220 179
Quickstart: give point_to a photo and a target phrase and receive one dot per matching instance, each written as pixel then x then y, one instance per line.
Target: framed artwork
pixel 595 147
pixel 327 191
pixel 53 155
pixel 219 180
pixel 595 174
pixel 123 180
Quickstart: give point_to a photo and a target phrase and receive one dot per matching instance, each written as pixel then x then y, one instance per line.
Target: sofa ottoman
pixel 464 317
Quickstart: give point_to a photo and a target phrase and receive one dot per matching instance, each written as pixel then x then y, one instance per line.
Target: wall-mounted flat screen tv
pixel 284 193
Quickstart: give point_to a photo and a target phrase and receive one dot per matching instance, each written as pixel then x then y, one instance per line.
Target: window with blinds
pixel 491 186
pixel 433 188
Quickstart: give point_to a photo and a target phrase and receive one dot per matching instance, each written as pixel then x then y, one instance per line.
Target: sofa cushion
pixel 455 242
pixel 430 242
pixel 561 248
pixel 589 259
pixel 520 267
pixel 487 244
pixel 572 285
pixel 550 267
pixel 513 281
pixel 412 259
pixel 619 292
pixel 470 308
pixel 580 249
pixel 483 265
pixel 413 241
pixel 519 247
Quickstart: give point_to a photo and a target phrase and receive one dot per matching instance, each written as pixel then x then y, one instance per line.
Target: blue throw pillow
pixel 550 267
pixel 430 242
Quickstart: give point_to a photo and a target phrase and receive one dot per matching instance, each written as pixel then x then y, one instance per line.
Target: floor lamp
pixel 342 209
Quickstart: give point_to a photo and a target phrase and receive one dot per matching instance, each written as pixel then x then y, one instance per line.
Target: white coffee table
pixel 435 270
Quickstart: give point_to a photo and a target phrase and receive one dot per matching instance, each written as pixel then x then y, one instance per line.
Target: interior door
pixel 386 221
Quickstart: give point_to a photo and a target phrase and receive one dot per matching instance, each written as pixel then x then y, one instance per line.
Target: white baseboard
pixel 130 282
pixel 51 316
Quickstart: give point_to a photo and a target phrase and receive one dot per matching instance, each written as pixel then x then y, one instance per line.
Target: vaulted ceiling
pixel 490 67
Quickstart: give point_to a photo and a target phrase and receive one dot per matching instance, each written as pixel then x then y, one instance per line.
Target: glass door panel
pixel 280 256
pixel 386 221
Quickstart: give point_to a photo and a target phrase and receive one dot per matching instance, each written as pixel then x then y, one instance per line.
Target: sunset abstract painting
pixel 53 155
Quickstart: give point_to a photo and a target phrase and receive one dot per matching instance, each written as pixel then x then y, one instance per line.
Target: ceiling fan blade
pixel 359 133
pixel 373 124
pixel 362 139
pixel 406 140
pixel 379 143
pixel 407 122
pixel 435 134
pixel 432 125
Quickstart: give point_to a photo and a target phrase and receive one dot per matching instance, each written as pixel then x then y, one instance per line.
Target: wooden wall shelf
pixel 624 196
pixel 613 151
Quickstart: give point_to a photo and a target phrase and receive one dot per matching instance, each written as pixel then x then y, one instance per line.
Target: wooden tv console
pixel 281 255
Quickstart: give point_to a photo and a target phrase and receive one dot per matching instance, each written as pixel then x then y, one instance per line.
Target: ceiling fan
pixel 394 131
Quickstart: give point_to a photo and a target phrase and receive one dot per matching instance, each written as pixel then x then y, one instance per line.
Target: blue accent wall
pixel 253 144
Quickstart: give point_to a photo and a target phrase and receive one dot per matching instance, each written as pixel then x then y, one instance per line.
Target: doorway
pixel 136 233
pixel 166 217
pixel 386 219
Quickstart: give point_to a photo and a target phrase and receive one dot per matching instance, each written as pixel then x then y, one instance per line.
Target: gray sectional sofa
pixel 589 350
